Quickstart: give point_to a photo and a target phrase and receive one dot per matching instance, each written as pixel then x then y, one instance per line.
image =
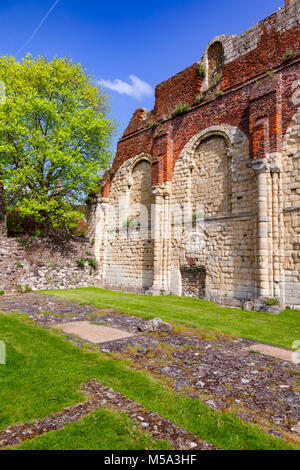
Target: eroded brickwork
pixel 233 153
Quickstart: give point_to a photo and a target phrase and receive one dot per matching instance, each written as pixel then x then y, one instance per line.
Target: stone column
pixel 276 228
pixel 263 171
pixel 157 223
pixel 161 235
pixel 101 234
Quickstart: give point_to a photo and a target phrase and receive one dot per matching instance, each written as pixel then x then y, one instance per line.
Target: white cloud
pixel 137 88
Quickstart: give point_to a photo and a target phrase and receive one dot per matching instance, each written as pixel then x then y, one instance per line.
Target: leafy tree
pixel 55 135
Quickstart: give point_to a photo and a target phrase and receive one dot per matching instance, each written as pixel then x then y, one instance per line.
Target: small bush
pixel 20 265
pixel 271 302
pixel 288 55
pixel 216 79
pixel 131 223
pixel 92 262
pixel 24 289
pixel 2 292
pixel 201 69
pixel 80 262
pixel 198 215
pixel 219 93
pixel 180 108
pixel 153 124
pixel 199 99
pixel 270 73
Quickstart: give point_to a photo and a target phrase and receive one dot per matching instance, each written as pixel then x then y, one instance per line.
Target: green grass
pixel 101 430
pixel 44 371
pixel 279 330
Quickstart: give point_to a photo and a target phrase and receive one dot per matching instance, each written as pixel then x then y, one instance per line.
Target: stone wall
pixel 126 259
pixel 45 264
pixel 234 155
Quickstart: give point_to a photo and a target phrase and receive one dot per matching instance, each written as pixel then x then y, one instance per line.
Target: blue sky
pixel 147 41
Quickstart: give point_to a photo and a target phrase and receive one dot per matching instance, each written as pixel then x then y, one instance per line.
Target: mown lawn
pixel 43 373
pixel 280 330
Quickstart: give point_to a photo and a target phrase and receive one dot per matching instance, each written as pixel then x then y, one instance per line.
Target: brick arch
pixel 218 41
pixel 234 137
pixel 124 172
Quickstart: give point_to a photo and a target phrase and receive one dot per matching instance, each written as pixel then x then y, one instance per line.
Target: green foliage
pixel 219 93
pixel 2 292
pixel 92 262
pixel 198 215
pixel 180 108
pixel 288 55
pixel 216 79
pixel 80 262
pixel 19 264
pixel 131 223
pixel 270 73
pixel 153 124
pixel 199 99
pixel 201 70
pixel 271 302
pixel 55 136
pixel 24 289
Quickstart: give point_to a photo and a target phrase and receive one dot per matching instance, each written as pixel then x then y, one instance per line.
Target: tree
pixel 55 135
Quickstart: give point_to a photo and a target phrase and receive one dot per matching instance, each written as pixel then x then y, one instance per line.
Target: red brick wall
pixel 258 103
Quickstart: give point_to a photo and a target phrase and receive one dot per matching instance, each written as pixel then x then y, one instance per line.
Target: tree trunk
pixel 3 231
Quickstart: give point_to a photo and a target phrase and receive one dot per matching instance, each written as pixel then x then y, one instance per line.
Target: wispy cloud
pixel 137 88
pixel 37 28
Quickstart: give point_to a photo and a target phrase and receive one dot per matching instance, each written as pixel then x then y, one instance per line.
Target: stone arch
pixel 140 188
pixel 228 238
pixel 128 256
pixel 124 173
pixel 213 60
pixel 237 141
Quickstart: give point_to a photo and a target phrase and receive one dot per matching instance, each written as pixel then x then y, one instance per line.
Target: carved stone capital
pixel 261 166
pixel 276 167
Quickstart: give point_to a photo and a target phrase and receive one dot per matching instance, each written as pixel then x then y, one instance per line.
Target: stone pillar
pixel 156 234
pixel 161 235
pixel 276 230
pixel 263 171
pixel 101 234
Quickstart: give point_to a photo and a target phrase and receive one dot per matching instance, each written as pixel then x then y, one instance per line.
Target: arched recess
pixel 132 185
pixel 129 254
pixel 210 164
pixel 214 60
pixel 140 189
pixel 213 170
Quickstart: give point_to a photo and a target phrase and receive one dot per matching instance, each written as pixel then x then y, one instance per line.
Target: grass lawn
pixel 44 371
pixel 280 330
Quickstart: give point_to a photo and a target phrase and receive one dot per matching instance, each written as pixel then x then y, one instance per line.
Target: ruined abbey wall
pixel 233 152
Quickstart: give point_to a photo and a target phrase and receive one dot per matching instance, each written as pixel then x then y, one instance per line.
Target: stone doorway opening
pixel 193 281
